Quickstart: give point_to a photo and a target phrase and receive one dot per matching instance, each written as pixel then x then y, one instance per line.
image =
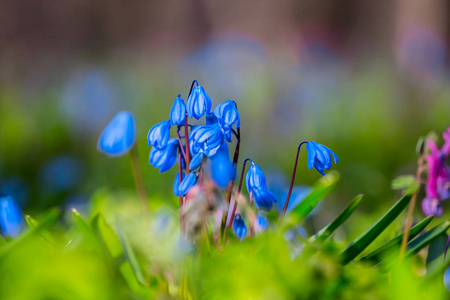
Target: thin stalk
pixel 181 144
pixel 186 142
pixel 139 180
pixel 180 172
pixel 292 180
pixel 239 191
pixel 223 225
pixel 409 216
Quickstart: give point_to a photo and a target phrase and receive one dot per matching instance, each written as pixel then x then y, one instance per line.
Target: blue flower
pixel 263 198
pixel 261 222
pixel 198 103
pixel 239 227
pixel 176 184
pixel 159 135
pixel 447 279
pixel 188 182
pixel 178 112
pixel 255 178
pixel 319 157
pixel 196 161
pixel 118 136
pixel 211 119
pixel 227 115
pixel 164 158
pixel 222 169
pixel 10 216
pixel 207 139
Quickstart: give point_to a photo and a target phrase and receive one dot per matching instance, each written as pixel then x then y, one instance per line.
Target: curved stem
pixel 180 172
pixel 181 145
pixel 223 225
pixel 139 180
pixel 292 180
pixel 239 191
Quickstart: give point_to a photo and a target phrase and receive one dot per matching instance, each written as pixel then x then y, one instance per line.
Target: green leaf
pixel 323 234
pixel 320 189
pixel 107 235
pixel 407 183
pixel 425 239
pixel 45 222
pixel 389 246
pixel 129 254
pixel 32 223
pixel 88 234
pixel 365 239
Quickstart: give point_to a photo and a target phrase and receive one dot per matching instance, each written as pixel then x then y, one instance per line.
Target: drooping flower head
pixel 196 161
pixel 222 168
pixel 319 157
pixel 159 135
pixel 255 178
pixel 10 216
pixel 261 222
pixel 118 136
pixel 227 115
pixel 207 139
pixel 176 184
pixel 264 198
pixel 178 112
pixel 164 158
pixel 239 227
pixel 198 103
pixel 187 183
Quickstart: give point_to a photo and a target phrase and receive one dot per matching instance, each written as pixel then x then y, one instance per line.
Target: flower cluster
pixel 438 182
pixel 202 142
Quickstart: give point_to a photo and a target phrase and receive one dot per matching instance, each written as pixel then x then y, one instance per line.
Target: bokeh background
pixel 365 78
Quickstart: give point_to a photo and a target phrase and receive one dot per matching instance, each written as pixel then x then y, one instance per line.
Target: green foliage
pixel 408 184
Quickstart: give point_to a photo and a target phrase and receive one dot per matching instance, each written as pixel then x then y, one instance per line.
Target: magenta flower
pixel 438 183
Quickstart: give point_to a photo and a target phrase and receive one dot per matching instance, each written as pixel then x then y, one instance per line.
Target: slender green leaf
pixel 45 222
pixel 425 239
pixel 129 254
pixel 365 239
pixel 389 246
pixel 320 189
pixel 88 234
pixel 107 235
pixel 323 234
pixel 32 223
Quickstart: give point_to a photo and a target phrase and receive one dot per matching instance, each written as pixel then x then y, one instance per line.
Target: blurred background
pixel 365 78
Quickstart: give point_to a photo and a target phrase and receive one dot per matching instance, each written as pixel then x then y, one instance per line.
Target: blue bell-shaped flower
pixel 196 161
pixel 178 112
pixel 255 178
pixel 207 139
pixel 188 182
pixel 319 157
pixel 211 119
pixel 159 135
pixel 264 199
pixel 227 115
pixel 261 222
pixel 222 169
pixel 118 136
pixel 10 216
pixel 164 158
pixel 239 227
pixel 176 184
pixel 198 103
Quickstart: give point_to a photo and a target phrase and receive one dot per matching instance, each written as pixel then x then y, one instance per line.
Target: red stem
pixel 239 191
pixel 292 180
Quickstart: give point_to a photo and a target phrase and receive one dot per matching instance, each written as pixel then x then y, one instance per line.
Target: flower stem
pixel 180 172
pixel 186 142
pixel 409 216
pixel 292 180
pixel 239 191
pixel 223 225
pixel 139 180
pixel 181 145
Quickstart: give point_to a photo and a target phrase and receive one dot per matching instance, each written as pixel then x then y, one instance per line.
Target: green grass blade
pixel 129 254
pixel 389 246
pixel 32 223
pixel 45 222
pixel 320 189
pixel 365 239
pixel 425 239
pixel 325 232
pixel 88 234
pixel 107 236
